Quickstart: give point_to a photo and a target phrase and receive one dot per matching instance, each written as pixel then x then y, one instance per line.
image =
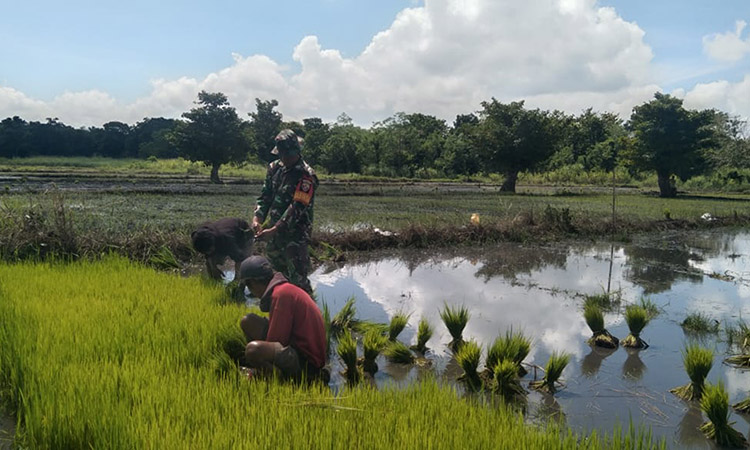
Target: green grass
pixel 468 357
pixel 424 333
pixel 347 350
pixel 114 355
pixel 715 404
pixel 373 342
pixel 552 372
pixel 698 362
pixel 514 346
pixel 397 325
pixel 637 318
pixel 455 320
pixel 700 323
pixel 398 352
pixel 344 320
pixel 506 381
pixel 594 317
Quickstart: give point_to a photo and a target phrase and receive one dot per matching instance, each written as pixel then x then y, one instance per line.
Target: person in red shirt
pixel 292 339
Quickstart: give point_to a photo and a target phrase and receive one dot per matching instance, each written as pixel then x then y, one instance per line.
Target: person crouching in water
pixel 225 238
pixel 292 341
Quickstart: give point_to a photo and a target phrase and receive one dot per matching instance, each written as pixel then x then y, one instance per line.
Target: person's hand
pixel 257 225
pixel 268 233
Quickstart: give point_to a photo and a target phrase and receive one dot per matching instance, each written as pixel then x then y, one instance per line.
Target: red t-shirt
pixel 294 319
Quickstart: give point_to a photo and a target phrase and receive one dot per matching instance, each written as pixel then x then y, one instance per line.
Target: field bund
pixel 111 354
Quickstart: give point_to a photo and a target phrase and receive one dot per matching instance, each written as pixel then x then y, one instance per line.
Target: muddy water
pixel 540 289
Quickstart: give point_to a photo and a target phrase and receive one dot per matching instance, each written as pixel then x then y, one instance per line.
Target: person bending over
pixel 225 238
pixel 292 340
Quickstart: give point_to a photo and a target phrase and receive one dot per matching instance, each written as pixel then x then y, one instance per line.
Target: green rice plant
pixel 365 326
pixel 347 350
pixel 164 259
pixel 344 320
pixel 506 382
pixel 326 312
pixel 698 362
pixel 373 343
pixel 715 404
pixel 514 346
pixel 604 301
pixel 424 333
pixel 398 323
pixel 468 357
pixel 651 309
pixel 552 371
pixel 399 353
pixel 595 320
pixel 636 317
pixel 455 320
pixel 738 336
pixel 700 323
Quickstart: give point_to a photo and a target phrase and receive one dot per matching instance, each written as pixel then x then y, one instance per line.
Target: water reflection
pixel 540 289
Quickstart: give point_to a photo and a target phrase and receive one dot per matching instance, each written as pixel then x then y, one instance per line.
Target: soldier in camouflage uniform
pixel 284 210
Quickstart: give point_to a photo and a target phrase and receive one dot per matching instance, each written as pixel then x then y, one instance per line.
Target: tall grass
pixel 698 362
pixel 553 370
pixel 637 318
pixel 455 320
pixel 114 355
pixel 715 404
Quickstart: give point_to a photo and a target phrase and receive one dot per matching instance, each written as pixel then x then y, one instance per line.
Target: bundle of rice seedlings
pixel 398 323
pixel 365 326
pixel 698 362
pixel 595 320
pixel 347 350
pixel 637 319
pixel 514 346
pixel 344 319
pixel 506 381
pixel 424 333
pixel 399 353
pixel 554 368
pixel 373 343
pixel 455 320
pixel 468 357
pixel 715 404
pixel 700 323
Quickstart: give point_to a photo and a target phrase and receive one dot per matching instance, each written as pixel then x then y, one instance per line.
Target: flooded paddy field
pixel 540 290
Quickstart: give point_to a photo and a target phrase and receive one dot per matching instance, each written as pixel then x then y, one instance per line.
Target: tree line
pixel 661 136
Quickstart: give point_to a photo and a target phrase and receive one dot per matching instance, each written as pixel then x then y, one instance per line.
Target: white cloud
pixel 733 98
pixel 729 46
pixel 443 58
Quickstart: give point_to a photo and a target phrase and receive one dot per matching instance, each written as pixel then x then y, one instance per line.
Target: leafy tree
pixel 14 136
pixel 409 144
pixel 733 149
pixel 341 151
pixel 316 135
pixel 150 137
pixel 212 133
pixel 265 124
pixel 511 138
pixel 671 140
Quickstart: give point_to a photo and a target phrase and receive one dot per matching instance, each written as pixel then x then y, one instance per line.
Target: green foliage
pixel 373 343
pixel 698 362
pixel 455 320
pixel 514 346
pixel 594 317
pixel 468 357
pixel 344 320
pixel 715 404
pixel 164 259
pixel 738 336
pixel 424 333
pixel 553 370
pixel 398 323
pixel 506 381
pixel 637 318
pixel 700 323
pixel 347 350
pixel 398 352
pixel 603 301
pixel 651 309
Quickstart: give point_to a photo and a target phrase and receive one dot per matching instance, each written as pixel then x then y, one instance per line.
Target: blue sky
pixel 88 62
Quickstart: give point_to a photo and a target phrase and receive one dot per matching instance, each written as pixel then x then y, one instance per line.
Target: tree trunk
pixel 509 185
pixel 215 173
pixel 667 188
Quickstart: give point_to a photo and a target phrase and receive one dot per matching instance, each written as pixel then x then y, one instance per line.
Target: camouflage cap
pixel 287 143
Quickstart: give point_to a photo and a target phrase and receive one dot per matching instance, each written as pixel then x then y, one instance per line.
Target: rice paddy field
pixel 111 354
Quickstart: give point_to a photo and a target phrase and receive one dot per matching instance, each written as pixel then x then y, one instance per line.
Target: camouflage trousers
pixel 291 257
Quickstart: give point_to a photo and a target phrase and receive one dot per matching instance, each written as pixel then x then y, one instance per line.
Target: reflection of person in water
pixel 592 362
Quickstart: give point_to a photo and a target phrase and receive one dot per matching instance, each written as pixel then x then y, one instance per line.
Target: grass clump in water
pixel 344 320
pixel 506 381
pixel 424 333
pixel 455 320
pixel 715 404
pixel 738 336
pixel 397 325
pixel 347 350
pixel 399 353
pixel 604 301
pixel 698 362
pixel 637 318
pixel 373 342
pixel 468 357
pixel 553 370
pixel 595 320
pixel 700 323
pixel 514 346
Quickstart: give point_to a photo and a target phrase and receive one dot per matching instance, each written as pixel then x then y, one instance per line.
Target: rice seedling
pixel 700 323
pixel 506 382
pixel 715 404
pixel 651 309
pixel 398 323
pixel 365 326
pixel 455 320
pixel 399 353
pixel 514 346
pixel 595 320
pixel 347 350
pixel 604 301
pixel 344 319
pixel 698 362
pixel 164 259
pixel 468 357
pixel 552 371
pixel 373 343
pixel 738 336
pixel 637 319
pixel 326 312
pixel 424 333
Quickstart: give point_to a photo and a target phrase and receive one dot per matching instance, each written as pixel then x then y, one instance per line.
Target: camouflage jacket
pixel 287 198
